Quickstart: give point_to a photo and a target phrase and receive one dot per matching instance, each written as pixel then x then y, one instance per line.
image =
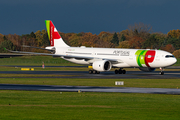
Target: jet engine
pixel 147 69
pixel 102 65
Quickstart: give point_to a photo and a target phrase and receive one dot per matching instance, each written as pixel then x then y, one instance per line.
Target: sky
pixel 26 16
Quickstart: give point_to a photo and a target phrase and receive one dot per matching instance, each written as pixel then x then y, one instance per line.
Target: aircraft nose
pixel 174 60
pixel 171 61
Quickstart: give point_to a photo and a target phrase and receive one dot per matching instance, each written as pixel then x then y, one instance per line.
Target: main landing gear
pixel 93 72
pixel 162 71
pixel 120 71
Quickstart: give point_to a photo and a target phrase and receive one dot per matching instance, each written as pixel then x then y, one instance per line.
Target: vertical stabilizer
pixel 54 36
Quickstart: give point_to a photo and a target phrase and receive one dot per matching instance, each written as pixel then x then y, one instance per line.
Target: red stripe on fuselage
pixel 149 57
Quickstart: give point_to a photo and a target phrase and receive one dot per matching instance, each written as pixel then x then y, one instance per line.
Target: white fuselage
pixel 103 59
pixel 124 57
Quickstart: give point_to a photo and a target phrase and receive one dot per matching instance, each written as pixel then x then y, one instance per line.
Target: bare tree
pixel 140 29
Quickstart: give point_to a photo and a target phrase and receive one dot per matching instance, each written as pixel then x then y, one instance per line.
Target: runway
pixel 86 75
pixel 102 75
pixel 89 89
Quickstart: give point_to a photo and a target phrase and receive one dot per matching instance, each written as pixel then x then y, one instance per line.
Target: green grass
pixel 38 105
pixel 144 83
pixel 35 60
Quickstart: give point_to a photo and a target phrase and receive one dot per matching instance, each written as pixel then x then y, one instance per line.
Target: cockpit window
pixel 169 56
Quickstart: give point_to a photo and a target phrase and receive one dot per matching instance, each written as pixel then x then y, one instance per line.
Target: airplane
pixel 103 59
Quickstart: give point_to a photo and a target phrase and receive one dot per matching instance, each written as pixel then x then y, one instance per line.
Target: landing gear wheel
pixel 120 71
pixel 116 71
pixel 90 71
pixel 162 73
pixel 94 72
pixel 124 71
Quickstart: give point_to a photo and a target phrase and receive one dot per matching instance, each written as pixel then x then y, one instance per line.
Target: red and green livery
pixel 144 57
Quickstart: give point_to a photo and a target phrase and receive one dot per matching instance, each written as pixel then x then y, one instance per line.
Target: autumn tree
pixel 124 35
pixel 66 37
pixel 8 45
pixel 28 40
pixel 136 42
pixel 105 36
pixel 75 40
pixel 123 38
pixel 32 35
pixel 115 39
pixel 25 41
pixel 1 37
pixel 45 40
pixel 177 53
pixel 16 40
pixel 174 41
pixel 152 42
pixel 174 33
pixel 39 37
pixel 89 40
pixel 169 48
pixel 124 44
pixel 161 39
pixel 4 38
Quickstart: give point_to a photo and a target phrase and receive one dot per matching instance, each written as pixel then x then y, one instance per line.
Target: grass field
pixel 37 105
pixel 144 83
pixel 40 105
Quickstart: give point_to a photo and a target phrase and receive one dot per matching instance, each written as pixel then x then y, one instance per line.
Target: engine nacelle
pixel 147 69
pixel 102 65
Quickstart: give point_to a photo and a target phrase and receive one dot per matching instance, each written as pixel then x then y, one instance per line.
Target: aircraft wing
pixel 89 59
pixel 31 53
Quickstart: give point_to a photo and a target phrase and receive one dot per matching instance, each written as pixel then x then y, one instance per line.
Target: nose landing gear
pixel 162 71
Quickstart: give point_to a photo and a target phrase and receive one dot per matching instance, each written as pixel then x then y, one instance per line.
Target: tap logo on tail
pixel 52 32
pixel 144 57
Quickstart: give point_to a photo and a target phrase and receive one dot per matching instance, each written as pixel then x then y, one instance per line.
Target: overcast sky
pixel 95 16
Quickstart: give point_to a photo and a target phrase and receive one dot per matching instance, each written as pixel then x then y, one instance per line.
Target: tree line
pixel 137 36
